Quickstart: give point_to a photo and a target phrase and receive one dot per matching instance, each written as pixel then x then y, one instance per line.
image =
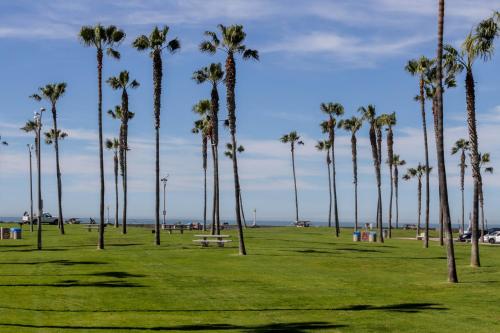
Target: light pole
pixel 164 181
pixel 38 121
pixel 30 148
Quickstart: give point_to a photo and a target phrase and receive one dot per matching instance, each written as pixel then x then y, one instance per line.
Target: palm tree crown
pixel 232 42
pixel 51 135
pixel 156 41
pixel 293 138
pixel 102 38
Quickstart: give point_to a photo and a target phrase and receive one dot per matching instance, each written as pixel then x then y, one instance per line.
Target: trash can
pixel 356 236
pixel 4 233
pixel 385 232
pixel 372 237
pixel 15 233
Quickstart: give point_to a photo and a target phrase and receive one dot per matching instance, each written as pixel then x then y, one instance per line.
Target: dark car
pixel 466 237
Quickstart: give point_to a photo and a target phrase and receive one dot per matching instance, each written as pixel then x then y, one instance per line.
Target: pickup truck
pixel 47 218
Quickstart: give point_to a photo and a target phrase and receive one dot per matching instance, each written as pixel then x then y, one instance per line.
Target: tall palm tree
pixel 419 67
pixel 443 186
pixel 353 125
pixel 118 114
pixel 102 38
pixel 417 173
pixel 122 82
pixel 156 43
pixel 473 48
pixel 333 110
pixel 231 43
pixel 4 143
pixel 461 146
pixel 293 139
pixel 324 145
pixel 35 126
pixel 52 93
pixel 484 161
pixel 229 153
pixel 214 75
pixel 202 126
pixel 389 121
pixel 397 162
pixel 369 114
pixel 114 145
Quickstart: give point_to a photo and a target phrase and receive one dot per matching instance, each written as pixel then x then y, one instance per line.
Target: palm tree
pixel 156 43
pixel 202 126
pixel 324 145
pixel 475 46
pixel 369 114
pixel 419 67
pixel 232 43
pixel 52 93
pixel 397 162
pixel 114 145
pixel 333 110
pixel 229 153
pixel 418 173
pixel 353 125
pixel 293 139
pixel 4 143
pixel 443 186
pixel 389 120
pixel 484 160
pixel 214 75
pixel 122 82
pixel 102 38
pixel 461 146
pixel 35 126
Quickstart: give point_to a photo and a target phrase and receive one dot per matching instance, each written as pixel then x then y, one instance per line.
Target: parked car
pixel 467 236
pixel 493 237
pixel 47 218
pixel 73 220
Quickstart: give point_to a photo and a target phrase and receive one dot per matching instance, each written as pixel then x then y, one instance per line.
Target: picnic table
pixel 175 227
pixel 205 240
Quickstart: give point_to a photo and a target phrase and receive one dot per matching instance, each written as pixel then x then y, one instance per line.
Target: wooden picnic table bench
pixel 207 239
pixel 175 227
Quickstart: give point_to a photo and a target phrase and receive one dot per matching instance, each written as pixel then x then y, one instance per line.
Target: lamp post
pixel 164 181
pixel 30 148
pixel 38 121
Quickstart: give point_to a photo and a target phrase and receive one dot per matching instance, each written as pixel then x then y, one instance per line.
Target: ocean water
pixel 280 223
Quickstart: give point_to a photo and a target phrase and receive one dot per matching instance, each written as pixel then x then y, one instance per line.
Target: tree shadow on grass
pixel 300 327
pixel 63 262
pixel 35 250
pixel 403 307
pixel 118 275
pixel 76 283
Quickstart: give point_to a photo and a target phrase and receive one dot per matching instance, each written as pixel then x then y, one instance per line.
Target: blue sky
pixel 311 52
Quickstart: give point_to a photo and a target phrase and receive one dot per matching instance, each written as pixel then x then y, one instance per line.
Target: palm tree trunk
pixel 40 202
pixel 328 161
pixel 436 134
pixel 375 155
pixel 396 185
pixel 462 181
pixel 231 108
pixel 214 192
pixel 295 186
pixel 450 252
pixel 205 158
pixel 60 220
pixel 390 154
pixel 100 244
pixel 379 184
pixel 115 162
pixel 481 205
pixel 125 153
pixel 334 178
pixel 471 122
pixel 355 173
pixel 427 169
pixel 419 205
pixel 242 211
pixel 157 78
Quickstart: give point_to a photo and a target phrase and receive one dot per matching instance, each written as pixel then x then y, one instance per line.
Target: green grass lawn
pixel 293 280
